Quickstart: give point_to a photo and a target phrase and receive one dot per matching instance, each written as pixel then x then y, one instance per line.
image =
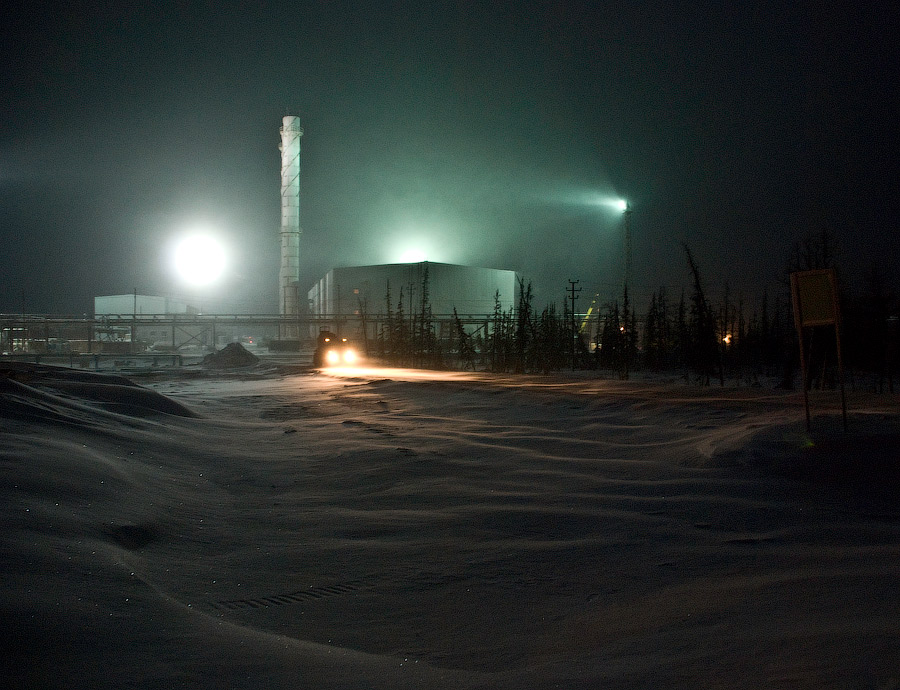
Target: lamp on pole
pixel 624 208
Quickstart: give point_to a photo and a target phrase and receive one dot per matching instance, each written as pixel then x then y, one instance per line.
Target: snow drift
pixel 412 530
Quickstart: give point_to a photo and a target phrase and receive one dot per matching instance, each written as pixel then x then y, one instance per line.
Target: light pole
pixel 627 213
pixel 573 295
pixel 623 207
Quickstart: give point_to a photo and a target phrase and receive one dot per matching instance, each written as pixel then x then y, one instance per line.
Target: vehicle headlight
pixel 349 356
pixel 332 357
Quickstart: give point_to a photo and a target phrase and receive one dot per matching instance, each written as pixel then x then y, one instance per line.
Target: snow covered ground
pixel 402 529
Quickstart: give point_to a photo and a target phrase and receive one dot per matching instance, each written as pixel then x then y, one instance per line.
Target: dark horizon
pixel 486 134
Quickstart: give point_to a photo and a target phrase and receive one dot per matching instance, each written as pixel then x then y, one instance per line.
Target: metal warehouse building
pixel 470 290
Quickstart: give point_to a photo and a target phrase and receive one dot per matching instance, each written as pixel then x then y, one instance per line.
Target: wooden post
pixel 816 303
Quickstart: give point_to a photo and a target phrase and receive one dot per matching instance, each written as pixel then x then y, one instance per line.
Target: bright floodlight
pixel 412 256
pixel 199 260
pixel 612 202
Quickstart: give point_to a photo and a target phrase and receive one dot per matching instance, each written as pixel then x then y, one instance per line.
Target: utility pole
pixel 133 324
pixel 572 290
pixel 23 336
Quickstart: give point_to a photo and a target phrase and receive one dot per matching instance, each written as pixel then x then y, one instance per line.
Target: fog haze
pixel 477 132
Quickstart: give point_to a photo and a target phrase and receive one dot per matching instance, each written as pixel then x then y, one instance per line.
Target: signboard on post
pixel 816 303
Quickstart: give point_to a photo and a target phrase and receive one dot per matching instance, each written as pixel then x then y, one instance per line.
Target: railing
pixel 36 337
pixel 85 360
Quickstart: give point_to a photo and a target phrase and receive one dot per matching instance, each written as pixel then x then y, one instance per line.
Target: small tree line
pixel 408 339
pixel 704 340
pixel 708 341
pixel 518 339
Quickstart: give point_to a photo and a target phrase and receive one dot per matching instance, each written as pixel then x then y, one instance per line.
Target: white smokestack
pixel 289 277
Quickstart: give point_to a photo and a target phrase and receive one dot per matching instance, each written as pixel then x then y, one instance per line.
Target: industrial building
pixel 356 290
pixel 138 305
pixel 355 300
pixel 148 321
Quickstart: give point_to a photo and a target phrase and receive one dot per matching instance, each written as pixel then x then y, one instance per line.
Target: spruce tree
pixel 702 327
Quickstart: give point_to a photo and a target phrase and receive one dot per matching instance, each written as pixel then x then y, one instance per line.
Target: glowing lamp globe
pixel 199 260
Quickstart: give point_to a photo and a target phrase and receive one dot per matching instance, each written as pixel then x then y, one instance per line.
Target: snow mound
pixel 863 458
pixel 30 392
pixel 231 356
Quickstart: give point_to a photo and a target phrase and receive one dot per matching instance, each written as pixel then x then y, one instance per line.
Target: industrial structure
pixel 138 305
pixel 354 290
pixel 148 322
pixel 345 297
pixel 289 276
pixel 354 300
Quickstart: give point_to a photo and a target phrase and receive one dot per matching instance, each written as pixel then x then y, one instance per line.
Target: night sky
pixel 483 133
